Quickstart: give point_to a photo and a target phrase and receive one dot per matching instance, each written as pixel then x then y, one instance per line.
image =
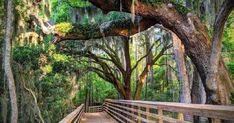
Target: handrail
pixel 95 108
pixel 74 116
pixel 146 111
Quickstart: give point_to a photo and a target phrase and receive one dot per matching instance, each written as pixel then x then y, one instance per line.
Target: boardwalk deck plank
pixel 98 117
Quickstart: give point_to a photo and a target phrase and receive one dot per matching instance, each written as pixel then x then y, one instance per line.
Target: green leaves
pixel 63 28
pixel 23 55
pixel 78 3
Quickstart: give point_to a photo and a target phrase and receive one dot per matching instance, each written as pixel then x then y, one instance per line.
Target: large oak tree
pixel 188 27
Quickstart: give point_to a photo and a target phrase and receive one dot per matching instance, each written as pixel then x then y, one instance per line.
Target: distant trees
pixel 106 57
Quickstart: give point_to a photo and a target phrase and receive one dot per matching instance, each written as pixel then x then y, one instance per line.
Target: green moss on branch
pixel 179 7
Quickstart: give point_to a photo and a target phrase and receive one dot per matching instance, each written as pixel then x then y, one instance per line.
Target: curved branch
pixel 219 24
pixel 100 73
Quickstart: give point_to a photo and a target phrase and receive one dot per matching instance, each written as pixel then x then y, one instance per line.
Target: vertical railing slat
pixel 214 120
pixel 139 120
pixel 147 113
pixel 181 116
pixel 160 114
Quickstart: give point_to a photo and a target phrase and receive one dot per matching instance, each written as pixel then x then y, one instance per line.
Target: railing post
pixel 160 114
pixel 215 120
pixel 147 111
pixel 181 116
pixel 139 114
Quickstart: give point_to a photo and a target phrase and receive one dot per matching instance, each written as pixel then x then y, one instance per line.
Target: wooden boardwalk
pixel 140 111
pixel 98 117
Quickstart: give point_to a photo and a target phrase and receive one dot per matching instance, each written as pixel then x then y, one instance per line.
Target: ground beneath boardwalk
pixel 98 117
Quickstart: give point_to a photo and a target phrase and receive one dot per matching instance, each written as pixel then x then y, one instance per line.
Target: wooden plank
pixel 181 116
pixel 215 120
pixel 167 119
pixel 147 112
pixel 139 115
pixel 98 117
pixel 120 115
pixel 73 115
pixel 120 120
pixel 211 111
pixel 95 108
pixel 135 110
pixel 129 120
pixel 160 114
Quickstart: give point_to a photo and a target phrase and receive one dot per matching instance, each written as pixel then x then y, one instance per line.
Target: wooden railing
pixel 126 111
pixel 75 116
pixel 92 109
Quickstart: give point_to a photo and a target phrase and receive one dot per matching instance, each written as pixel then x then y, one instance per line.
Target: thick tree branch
pixel 123 28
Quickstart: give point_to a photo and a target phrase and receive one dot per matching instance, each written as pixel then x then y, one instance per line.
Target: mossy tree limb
pixel 126 28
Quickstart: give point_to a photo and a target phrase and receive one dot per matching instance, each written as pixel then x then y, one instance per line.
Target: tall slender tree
pixel 7 60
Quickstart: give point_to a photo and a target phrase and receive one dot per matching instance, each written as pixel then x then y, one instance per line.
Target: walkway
pixel 148 112
pixel 98 117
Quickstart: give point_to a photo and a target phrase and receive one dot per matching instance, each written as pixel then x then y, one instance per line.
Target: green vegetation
pixel 178 4
pixel 63 28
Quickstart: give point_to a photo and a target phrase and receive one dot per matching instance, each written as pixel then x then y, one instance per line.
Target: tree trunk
pixel 149 58
pixel 140 82
pixel 182 73
pixel 7 65
pixel 136 57
pixel 185 94
pixel 128 72
pixel 198 94
pixel 212 76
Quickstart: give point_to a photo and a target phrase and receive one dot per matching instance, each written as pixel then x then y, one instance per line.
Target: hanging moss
pixel 88 30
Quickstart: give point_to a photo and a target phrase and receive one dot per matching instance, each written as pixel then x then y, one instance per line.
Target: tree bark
pixel 123 28
pixel 211 80
pixel 198 94
pixel 128 71
pixel 182 72
pixel 185 93
pixel 7 64
pixel 149 58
